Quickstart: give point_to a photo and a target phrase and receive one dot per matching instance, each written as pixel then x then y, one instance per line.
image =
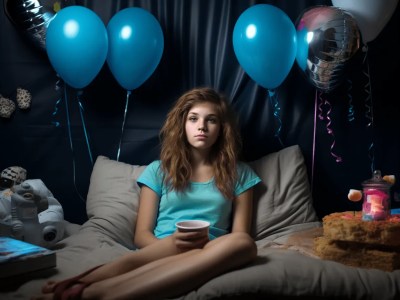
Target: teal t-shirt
pixel 201 201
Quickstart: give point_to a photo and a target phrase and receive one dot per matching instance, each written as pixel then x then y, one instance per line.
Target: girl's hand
pixel 190 240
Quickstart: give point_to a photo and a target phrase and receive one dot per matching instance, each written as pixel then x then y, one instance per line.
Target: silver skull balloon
pixel 32 17
pixel 328 37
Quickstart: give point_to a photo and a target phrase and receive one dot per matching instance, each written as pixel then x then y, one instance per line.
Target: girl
pixel 198 176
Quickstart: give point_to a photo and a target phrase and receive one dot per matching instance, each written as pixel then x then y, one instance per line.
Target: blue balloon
pixel 136 44
pixel 77 45
pixel 264 41
pixel 302 48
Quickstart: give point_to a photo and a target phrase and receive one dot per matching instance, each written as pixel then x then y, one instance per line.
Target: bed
pixel 284 227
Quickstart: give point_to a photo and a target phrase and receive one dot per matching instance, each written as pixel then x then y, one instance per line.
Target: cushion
pixel 283 198
pixel 113 198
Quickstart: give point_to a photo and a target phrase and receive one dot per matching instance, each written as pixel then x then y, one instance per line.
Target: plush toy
pixel 8 178
pixel 28 210
pixel 7 106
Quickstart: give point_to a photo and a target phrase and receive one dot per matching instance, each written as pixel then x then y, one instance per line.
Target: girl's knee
pixel 243 244
pixel 247 243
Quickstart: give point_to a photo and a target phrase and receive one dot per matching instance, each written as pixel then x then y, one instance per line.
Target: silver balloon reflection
pixel 32 17
pixel 328 37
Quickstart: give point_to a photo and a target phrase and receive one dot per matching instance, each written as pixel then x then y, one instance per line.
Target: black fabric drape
pixel 198 51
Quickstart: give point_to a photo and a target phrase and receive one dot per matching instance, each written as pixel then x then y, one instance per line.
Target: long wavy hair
pixel 175 149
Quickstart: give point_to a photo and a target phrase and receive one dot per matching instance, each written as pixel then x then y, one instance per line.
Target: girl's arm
pixel 146 219
pixel 243 212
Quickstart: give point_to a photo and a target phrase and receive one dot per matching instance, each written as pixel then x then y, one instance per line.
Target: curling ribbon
pixel 56 123
pixel 371 156
pixel 369 109
pixel 57 87
pixel 58 83
pixel 128 93
pixel 350 114
pixel 325 103
pixel 273 97
pixel 81 110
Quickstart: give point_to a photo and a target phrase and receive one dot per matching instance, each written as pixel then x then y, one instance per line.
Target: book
pixel 19 257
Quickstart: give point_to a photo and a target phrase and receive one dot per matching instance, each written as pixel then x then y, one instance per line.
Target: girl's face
pixel 202 126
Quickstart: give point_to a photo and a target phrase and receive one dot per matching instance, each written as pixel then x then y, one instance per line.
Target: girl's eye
pixel 192 119
pixel 213 120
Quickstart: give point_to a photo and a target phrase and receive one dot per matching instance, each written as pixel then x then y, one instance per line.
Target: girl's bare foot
pixel 48 287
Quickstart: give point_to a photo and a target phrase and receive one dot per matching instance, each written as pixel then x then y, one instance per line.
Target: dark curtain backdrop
pixel 198 51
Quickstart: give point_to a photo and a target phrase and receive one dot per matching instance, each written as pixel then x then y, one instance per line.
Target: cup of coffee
pixel 193 225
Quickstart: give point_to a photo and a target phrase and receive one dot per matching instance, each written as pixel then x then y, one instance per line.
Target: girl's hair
pixel 175 149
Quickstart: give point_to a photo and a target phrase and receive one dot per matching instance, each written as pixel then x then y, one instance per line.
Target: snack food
pixel 350 240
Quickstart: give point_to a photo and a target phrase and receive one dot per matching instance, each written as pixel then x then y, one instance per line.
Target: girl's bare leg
pixel 177 274
pixel 171 275
pixel 128 262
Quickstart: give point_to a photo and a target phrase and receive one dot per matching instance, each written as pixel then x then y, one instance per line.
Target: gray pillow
pixel 283 198
pixel 113 199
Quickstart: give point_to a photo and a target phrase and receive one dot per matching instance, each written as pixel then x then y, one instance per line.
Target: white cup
pixel 193 225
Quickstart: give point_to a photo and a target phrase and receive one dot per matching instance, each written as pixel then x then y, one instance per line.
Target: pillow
pixel 113 199
pixel 283 198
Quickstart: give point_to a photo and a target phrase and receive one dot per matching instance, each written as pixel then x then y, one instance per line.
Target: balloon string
pixel 368 99
pixel 320 109
pixel 273 97
pixel 128 93
pixel 350 114
pixel 58 83
pixel 57 87
pixel 328 119
pixel 369 110
pixel 81 110
pixel 68 121
pixel 70 143
pixel 314 140
pixel 371 156
pixel 56 123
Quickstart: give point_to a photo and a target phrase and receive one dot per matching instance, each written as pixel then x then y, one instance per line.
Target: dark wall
pixel 198 51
